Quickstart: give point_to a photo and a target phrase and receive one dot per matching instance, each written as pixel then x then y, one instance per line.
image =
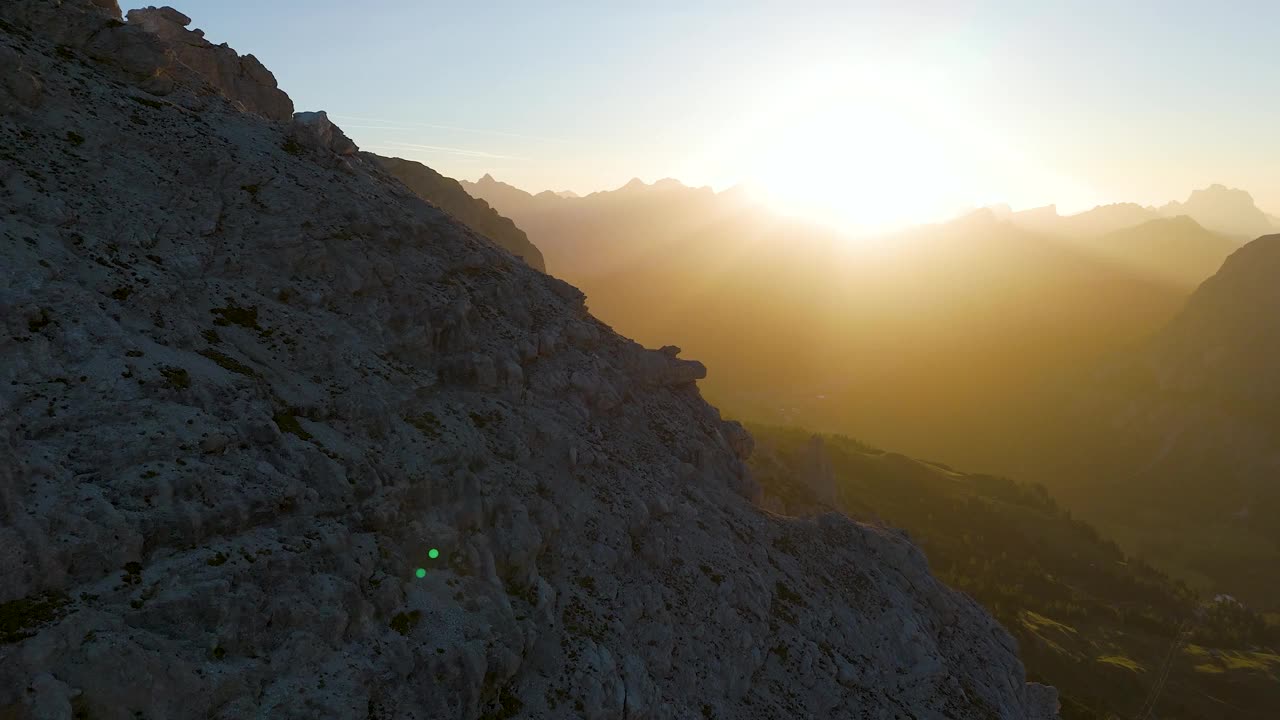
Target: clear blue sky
pixel 973 102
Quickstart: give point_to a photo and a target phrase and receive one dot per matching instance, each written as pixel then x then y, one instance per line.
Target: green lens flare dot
pixel 433 553
pixel 421 572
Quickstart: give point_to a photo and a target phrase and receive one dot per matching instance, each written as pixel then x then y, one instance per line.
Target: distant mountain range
pixel 939 340
pixel 926 331
pixel 636 219
pixel 1176 250
pixel 1217 208
pixel 1225 210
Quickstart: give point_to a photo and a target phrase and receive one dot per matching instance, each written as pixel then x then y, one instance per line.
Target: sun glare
pixel 865 149
pixel 862 166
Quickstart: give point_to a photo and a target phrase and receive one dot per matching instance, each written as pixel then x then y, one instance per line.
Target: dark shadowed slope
pixel 1175 447
pixel 1093 622
pixel 448 195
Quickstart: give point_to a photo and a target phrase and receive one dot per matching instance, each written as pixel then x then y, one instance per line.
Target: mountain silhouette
pixel 1225 210
pixel 1182 432
pixel 1098 221
pixel 1217 208
pixel 450 196
pixel 805 326
pixel 1176 250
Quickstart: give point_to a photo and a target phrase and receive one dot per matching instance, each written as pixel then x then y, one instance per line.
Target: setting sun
pixel 859 149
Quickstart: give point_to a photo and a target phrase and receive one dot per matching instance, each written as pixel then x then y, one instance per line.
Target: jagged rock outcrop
pixel 280 439
pixel 18 87
pixel 449 195
pixel 315 130
pixel 241 79
pixel 1222 209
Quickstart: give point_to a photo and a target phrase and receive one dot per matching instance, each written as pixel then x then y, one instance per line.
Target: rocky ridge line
pixel 248 379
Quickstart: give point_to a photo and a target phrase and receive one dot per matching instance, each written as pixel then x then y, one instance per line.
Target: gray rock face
pixel 249 385
pixel 242 79
pixel 448 195
pixel 316 131
pixel 818 474
pixel 18 87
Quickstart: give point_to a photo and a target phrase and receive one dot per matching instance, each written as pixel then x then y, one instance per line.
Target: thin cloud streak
pixel 377 127
pixel 454 151
pixel 400 125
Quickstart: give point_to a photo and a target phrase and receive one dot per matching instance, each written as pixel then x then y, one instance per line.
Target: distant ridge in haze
pixel 1225 210
pixel 805 326
pixel 638 220
pixel 1183 433
pixel 1176 250
pixel 1217 208
pixel 1099 220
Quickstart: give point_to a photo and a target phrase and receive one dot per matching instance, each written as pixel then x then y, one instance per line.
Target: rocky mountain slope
pixel 448 195
pixel 280 439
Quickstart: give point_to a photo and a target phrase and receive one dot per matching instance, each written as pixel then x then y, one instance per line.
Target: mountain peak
pixel 1223 209
pixel 1222 192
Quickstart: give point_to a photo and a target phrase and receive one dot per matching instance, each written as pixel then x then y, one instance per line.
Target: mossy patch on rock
pixel 176 377
pixel 427 423
pixel 19 619
pixel 226 362
pixel 404 622
pixel 288 423
pixel 233 314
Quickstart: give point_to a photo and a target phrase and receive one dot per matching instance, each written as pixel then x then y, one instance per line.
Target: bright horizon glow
pixel 858 115
pixel 856 148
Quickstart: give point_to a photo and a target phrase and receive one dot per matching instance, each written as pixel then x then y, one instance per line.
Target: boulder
pixel 241 79
pixel 315 130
